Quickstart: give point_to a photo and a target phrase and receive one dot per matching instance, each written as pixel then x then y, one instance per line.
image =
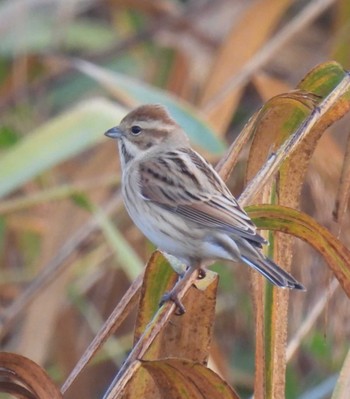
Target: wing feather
pixel 196 193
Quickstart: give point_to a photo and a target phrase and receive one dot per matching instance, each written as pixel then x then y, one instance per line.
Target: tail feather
pixel 275 274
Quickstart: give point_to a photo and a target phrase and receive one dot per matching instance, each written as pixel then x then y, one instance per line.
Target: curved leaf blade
pixel 178 378
pixel 23 373
pixel 297 223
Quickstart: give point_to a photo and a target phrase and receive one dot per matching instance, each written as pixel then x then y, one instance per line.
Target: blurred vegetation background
pixel 69 70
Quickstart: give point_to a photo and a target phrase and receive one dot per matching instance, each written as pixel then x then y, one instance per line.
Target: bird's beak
pixel 114 133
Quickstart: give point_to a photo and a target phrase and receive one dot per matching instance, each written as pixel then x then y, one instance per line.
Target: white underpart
pixel 152 222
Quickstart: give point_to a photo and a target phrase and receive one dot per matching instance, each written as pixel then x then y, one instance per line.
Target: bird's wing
pixel 183 183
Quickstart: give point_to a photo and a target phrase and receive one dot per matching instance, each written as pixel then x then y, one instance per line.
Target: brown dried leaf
pixel 27 378
pixel 176 379
pixel 186 337
pixel 245 38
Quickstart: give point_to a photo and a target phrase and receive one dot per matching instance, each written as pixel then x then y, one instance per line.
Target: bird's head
pixel 147 128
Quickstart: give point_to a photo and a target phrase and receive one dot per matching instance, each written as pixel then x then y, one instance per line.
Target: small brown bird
pixel 178 200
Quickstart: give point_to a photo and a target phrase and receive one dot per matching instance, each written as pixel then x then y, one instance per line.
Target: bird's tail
pixel 273 272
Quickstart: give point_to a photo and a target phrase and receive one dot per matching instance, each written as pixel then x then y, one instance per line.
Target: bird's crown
pixel 148 113
pixel 151 124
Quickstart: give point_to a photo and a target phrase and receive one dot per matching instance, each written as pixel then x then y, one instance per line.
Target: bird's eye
pixel 135 130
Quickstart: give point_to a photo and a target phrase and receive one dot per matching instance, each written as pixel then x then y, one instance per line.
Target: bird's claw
pixel 171 296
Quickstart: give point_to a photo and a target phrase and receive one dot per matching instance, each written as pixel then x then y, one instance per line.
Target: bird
pixel 181 204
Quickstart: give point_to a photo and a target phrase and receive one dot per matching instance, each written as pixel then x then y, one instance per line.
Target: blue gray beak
pixel 114 133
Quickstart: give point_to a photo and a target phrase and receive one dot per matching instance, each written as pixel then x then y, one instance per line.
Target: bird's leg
pixel 173 294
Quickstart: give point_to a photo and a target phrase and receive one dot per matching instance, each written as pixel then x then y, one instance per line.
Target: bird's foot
pixel 172 296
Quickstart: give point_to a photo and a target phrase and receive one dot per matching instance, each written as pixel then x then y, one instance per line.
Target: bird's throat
pixel 125 154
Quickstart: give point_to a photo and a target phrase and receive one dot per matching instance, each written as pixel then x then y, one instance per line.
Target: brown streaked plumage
pixel 179 201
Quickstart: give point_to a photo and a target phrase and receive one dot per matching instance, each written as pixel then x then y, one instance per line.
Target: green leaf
pixel 36 34
pixel 57 140
pixel 82 201
pixel 7 137
pixel 322 79
pixel 89 35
